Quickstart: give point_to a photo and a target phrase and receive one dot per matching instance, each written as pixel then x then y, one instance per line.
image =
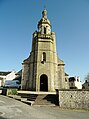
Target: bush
pixel 11 91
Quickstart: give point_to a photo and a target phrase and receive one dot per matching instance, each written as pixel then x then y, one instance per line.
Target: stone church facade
pixel 43 70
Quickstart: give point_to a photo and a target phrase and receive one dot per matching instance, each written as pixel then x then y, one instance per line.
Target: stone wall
pixel 74 99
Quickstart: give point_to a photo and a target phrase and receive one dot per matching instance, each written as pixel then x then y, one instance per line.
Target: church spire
pixel 44 13
pixel 44 26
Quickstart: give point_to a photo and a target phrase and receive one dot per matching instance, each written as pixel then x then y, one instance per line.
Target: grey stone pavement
pixel 13 109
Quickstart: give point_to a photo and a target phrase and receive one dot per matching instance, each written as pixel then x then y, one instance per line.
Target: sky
pixel 69 20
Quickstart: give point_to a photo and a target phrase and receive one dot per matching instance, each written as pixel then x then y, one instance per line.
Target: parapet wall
pixel 74 99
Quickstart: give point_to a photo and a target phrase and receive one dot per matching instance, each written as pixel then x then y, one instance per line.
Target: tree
pixel 87 77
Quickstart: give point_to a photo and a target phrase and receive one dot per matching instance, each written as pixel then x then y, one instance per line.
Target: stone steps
pixel 46 100
pixel 38 99
pixel 28 98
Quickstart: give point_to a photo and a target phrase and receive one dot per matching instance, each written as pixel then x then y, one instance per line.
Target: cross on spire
pixel 44 13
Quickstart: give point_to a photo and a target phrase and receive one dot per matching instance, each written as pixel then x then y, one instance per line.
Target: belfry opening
pixel 43 82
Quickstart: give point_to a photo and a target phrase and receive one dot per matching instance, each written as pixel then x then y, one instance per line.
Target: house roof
pixel 4 73
pixel 71 79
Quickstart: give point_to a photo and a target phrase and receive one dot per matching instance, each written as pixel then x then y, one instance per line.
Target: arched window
pixel 43 57
pixel 65 79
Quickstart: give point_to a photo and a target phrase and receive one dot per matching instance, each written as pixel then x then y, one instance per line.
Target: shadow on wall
pixel 2 117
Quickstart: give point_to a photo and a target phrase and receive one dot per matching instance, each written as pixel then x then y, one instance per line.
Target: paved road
pixel 13 109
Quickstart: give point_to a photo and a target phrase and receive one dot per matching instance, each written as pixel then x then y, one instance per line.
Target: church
pixel 43 70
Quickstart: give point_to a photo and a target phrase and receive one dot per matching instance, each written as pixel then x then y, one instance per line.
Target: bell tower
pixel 44 26
pixel 40 69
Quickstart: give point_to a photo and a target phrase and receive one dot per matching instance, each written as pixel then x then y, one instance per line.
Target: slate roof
pixel 4 73
pixel 71 79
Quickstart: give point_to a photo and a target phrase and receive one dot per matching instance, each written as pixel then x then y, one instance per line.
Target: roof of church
pixel 60 62
pixel 27 60
pixel 44 18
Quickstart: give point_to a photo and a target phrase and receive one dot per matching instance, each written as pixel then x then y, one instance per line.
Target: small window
pixel 44 30
pixel 78 80
pixel 65 79
pixel 44 57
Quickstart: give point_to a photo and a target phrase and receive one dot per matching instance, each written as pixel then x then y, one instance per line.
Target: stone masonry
pixel 75 99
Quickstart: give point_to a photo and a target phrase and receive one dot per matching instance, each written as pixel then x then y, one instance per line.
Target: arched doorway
pixel 43 82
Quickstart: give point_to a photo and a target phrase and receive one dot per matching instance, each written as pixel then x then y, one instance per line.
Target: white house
pixel 3 77
pixel 7 76
pixel 75 83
